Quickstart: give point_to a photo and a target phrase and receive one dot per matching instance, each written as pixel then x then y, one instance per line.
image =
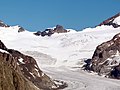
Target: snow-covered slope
pixel 67 49
pixel 59 53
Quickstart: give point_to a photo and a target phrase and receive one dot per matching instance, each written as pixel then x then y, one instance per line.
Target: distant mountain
pixel 113 21
pixel 50 31
pixel 2 24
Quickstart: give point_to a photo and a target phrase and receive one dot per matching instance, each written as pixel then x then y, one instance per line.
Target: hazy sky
pixel 37 15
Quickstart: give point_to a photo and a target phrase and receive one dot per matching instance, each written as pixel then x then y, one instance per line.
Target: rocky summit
pixel 49 32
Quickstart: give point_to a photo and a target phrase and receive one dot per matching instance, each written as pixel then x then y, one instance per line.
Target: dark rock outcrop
pixel 2 46
pixel 11 77
pixel 21 29
pixel 21 72
pixel 38 33
pixel 31 71
pixel 2 24
pixel 109 21
pixel 60 29
pixel 49 32
pixel 106 58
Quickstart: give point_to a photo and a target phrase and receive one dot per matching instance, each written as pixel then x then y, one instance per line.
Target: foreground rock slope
pixel 11 77
pixel 50 31
pixel 21 72
pixel 111 21
pixel 106 58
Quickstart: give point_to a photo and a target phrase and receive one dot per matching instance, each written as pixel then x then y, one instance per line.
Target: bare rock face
pixel 2 46
pixel 109 21
pixel 21 29
pixel 106 58
pixel 31 71
pixel 11 77
pixel 21 72
pixel 2 24
pixel 60 29
pixel 49 32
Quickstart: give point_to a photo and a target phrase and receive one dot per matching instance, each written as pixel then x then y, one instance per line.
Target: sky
pixel 35 15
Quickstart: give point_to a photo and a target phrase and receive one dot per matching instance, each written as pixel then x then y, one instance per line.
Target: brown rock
pixel 31 71
pixel 21 72
pixel 106 56
pixel 110 20
pixel 59 29
pixel 11 77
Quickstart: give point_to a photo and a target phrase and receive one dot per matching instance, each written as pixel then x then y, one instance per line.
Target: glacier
pixel 62 55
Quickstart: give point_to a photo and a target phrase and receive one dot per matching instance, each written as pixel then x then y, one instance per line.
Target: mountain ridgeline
pixel 110 21
pixel 49 32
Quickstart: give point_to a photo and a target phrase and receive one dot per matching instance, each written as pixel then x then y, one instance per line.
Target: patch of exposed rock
pixel 11 77
pixel 106 58
pixel 2 24
pixel 21 29
pixel 21 72
pixel 110 21
pixel 49 32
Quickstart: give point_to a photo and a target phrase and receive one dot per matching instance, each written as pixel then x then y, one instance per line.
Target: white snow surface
pixel 117 20
pixel 61 54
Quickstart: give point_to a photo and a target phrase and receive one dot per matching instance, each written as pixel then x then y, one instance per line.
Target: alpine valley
pixel 59 58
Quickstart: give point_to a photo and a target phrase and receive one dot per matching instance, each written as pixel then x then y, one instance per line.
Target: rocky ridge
pixel 110 21
pixel 49 32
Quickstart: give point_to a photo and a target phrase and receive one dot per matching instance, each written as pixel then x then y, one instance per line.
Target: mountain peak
pixel 50 31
